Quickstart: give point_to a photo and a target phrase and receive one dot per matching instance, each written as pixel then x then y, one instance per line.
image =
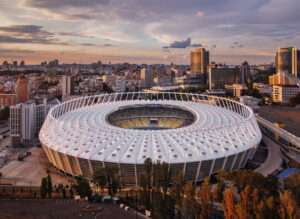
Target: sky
pixel 146 31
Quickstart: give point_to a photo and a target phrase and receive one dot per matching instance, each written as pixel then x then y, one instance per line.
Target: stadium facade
pixel 197 135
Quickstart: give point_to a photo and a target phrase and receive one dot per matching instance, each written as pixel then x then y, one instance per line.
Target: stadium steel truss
pixel 78 138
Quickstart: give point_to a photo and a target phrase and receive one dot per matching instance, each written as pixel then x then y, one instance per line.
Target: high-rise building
pixel 298 62
pixel 147 77
pixel 219 76
pixel 22 89
pixel 287 61
pixel 26 120
pixel 66 85
pixel 245 73
pixel 199 61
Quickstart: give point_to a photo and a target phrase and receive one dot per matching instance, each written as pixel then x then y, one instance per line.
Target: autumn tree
pixel 229 204
pixel 206 199
pixel 288 206
pixel 292 183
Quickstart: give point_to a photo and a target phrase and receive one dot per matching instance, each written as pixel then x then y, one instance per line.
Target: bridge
pixel 282 146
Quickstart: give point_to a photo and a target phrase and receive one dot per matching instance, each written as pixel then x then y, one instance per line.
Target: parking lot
pixel 31 170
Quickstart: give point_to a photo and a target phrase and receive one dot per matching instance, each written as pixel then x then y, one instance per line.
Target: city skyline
pixel 146 31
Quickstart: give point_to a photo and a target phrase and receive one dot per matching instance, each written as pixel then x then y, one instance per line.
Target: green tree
pixel 145 193
pixel 83 187
pixel 43 187
pixel 100 178
pixel 294 101
pixel 49 186
pixel 4 113
pixel 113 179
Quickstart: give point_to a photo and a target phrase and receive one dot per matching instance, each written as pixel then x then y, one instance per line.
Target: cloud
pixel 5 51
pixel 182 44
pixel 196 45
pixel 24 29
pixel 27 34
pixel 108 45
pixel 74 34
pixel 61 4
pixel 259 24
pixel 88 44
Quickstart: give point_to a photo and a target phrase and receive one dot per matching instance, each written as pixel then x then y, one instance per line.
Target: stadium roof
pixel 216 132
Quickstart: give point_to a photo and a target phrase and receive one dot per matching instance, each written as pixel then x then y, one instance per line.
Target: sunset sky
pixel 146 31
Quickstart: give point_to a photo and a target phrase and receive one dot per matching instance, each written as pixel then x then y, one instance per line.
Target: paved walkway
pixel 274 159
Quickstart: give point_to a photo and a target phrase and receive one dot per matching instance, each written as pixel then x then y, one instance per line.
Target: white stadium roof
pixel 216 132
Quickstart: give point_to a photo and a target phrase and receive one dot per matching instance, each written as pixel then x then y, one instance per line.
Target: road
pixel 274 159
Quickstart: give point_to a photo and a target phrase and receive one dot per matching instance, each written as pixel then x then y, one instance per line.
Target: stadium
pixel 196 135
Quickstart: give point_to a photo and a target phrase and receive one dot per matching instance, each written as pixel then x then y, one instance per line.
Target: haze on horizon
pixel 146 31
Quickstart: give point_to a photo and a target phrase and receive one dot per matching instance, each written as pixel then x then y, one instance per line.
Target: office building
pixel 22 89
pixel 219 76
pixel 244 73
pixel 199 61
pixel 146 77
pixel 66 85
pixel 284 86
pixel 8 100
pixel 282 79
pixel 287 61
pixel 26 120
pixel 283 93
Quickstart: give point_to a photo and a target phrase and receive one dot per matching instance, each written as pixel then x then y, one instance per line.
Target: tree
pixel 242 178
pixel 294 101
pixel 43 187
pixel 271 207
pixel 49 186
pixel 62 190
pixel 4 113
pixel 191 208
pixel 292 183
pixel 112 176
pixel 229 205
pixel 206 199
pixel 148 171
pixel 177 190
pixel 218 192
pixel 100 178
pixel 288 205
pixel 246 202
pixel 240 212
pixel 145 193
pixel 165 178
pixel 83 187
